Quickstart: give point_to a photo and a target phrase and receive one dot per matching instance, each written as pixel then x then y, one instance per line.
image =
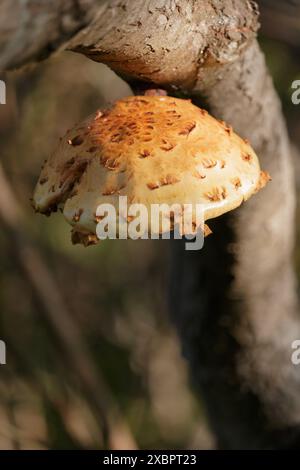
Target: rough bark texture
pixel 32 29
pixel 233 302
pixel 167 42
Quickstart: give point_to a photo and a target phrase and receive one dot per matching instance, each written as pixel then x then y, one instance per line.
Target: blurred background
pixel 89 343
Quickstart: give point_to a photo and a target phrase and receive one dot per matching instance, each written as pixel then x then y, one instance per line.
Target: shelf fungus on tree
pixel 154 150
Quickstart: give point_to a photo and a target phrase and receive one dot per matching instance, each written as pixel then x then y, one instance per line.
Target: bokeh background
pixel 89 342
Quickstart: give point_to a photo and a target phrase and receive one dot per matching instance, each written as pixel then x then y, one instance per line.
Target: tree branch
pixel 167 42
pixel 32 29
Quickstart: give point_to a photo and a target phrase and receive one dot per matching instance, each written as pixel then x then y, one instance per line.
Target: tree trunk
pixel 234 302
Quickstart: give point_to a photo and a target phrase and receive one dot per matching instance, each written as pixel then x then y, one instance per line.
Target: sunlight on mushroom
pixel 153 149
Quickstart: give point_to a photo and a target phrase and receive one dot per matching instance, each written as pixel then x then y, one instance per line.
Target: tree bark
pixel 31 30
pixel 234 302
pixel 237 309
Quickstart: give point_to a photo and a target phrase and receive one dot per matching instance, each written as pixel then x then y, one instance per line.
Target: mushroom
pixel 154 150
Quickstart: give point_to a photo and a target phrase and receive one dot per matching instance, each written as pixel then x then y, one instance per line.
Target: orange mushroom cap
pixel 154 150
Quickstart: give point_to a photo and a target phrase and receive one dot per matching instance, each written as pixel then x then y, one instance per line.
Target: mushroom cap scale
pixel 154 150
